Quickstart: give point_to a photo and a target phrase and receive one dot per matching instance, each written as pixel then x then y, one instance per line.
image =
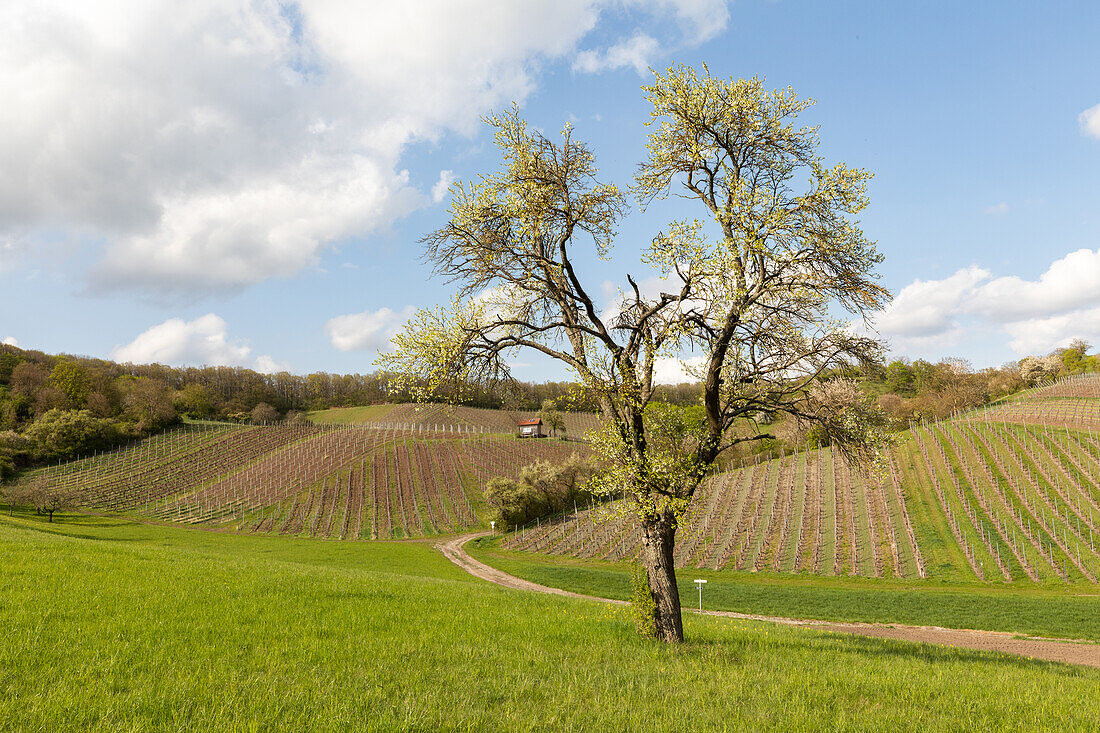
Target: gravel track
pixel 1053 650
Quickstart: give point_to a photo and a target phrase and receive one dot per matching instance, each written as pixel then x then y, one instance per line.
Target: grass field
pixel 111 625
pixel 1022 609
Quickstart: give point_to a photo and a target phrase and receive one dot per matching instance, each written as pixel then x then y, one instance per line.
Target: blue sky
pixel 246 183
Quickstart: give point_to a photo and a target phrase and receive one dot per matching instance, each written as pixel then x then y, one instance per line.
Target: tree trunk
pixel 51 514
pixel 659 537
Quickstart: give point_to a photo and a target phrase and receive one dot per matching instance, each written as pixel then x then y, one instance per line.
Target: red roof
pixel 535 421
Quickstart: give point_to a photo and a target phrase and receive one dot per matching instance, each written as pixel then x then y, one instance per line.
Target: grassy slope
pixel 1022 609
pixel 350 415
pixel 111 625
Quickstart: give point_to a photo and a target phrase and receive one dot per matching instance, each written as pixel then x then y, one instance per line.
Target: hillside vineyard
pixel 960 498
pixel 342 482
pixel 1010 493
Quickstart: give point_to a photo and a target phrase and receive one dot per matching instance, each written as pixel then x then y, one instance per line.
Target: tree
pixel 552 418
pixel 73 380
pixel 753 291
pixel 149 404
pixel 68 434
pixel 46 498
pixel 193 400
pixel 264 413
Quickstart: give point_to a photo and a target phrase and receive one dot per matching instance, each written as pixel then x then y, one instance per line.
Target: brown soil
pixel 1054 650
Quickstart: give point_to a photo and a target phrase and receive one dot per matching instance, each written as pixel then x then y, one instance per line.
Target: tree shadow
pixel 64 521
pixel 929 652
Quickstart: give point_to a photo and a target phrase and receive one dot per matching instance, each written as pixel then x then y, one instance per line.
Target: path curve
pixel 1053 650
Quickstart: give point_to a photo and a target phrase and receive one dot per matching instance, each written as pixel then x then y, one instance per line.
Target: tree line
pixel 57 407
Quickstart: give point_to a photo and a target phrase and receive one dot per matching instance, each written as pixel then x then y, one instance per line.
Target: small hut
pixel 531 428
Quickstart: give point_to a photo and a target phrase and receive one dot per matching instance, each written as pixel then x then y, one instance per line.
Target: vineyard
pixel 1011 493
pixel 1007 493
pixel 321 481
pixel 437 417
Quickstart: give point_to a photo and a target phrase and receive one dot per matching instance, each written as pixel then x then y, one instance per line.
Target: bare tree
pixel 44 496
pixel 752 291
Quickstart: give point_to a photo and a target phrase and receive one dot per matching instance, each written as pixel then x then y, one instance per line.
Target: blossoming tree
pixel 755 288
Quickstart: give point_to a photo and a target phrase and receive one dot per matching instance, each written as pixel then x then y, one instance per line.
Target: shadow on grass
pixel 63 522
pixel 862 647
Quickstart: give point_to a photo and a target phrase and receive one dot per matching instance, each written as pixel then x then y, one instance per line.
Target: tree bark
pixel 659 536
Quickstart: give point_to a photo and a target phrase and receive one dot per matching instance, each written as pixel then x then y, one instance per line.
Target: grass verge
pixel 1067 612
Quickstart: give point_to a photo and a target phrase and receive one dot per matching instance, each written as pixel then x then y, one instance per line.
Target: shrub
pixel 15 452
pixel 65 434
pixel 541 488
pixel 642 607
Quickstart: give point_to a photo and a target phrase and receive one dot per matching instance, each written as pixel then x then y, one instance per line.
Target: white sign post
pixel 493 524
pixel 699 582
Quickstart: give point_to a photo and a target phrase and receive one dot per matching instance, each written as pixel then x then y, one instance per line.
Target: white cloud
pixel 215 144
pixel 997 209
pixel 1041 335
pixel 928 307
pixel 366 331
pixel 636 52
pixel 267 365
pixel 439 190
pixel 203 341
pixel 1090 121
pixel 10 341
pixel 1037 315
pixel 220 143
pixel 700 20
pixel 1069 283
pixel 677 371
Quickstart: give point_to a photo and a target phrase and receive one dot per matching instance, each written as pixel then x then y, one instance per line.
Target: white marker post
pixel 493 524
pixel 699 583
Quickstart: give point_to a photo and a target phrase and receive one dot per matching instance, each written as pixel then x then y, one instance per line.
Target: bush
pixel 541 488
pixel 66 434
pixel 15 452
pixel 642 607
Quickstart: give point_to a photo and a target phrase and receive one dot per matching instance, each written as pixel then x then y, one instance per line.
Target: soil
pixel 1053 650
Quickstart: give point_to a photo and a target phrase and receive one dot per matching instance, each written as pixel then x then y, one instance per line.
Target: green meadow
pixel 1066 611
pixel 113 625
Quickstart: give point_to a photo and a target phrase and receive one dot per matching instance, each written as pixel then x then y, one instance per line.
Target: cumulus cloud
pixel 997 209
pixel 203 341
pixel 10 341
pixel 212 145
pixel 1037 315
pixel 929 307
pixel 677 371
pixel 267 365
pixel 1041 335
pixel 636 52
pixel 220 143
pixel 698 21
pixel 1090 121
pixel 439 190
pixel 1070 283
pixel 370 330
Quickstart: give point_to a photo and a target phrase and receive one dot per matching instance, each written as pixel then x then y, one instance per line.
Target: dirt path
pixel 1052 650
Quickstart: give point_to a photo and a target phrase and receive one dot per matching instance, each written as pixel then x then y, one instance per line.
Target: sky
pixel 246 183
